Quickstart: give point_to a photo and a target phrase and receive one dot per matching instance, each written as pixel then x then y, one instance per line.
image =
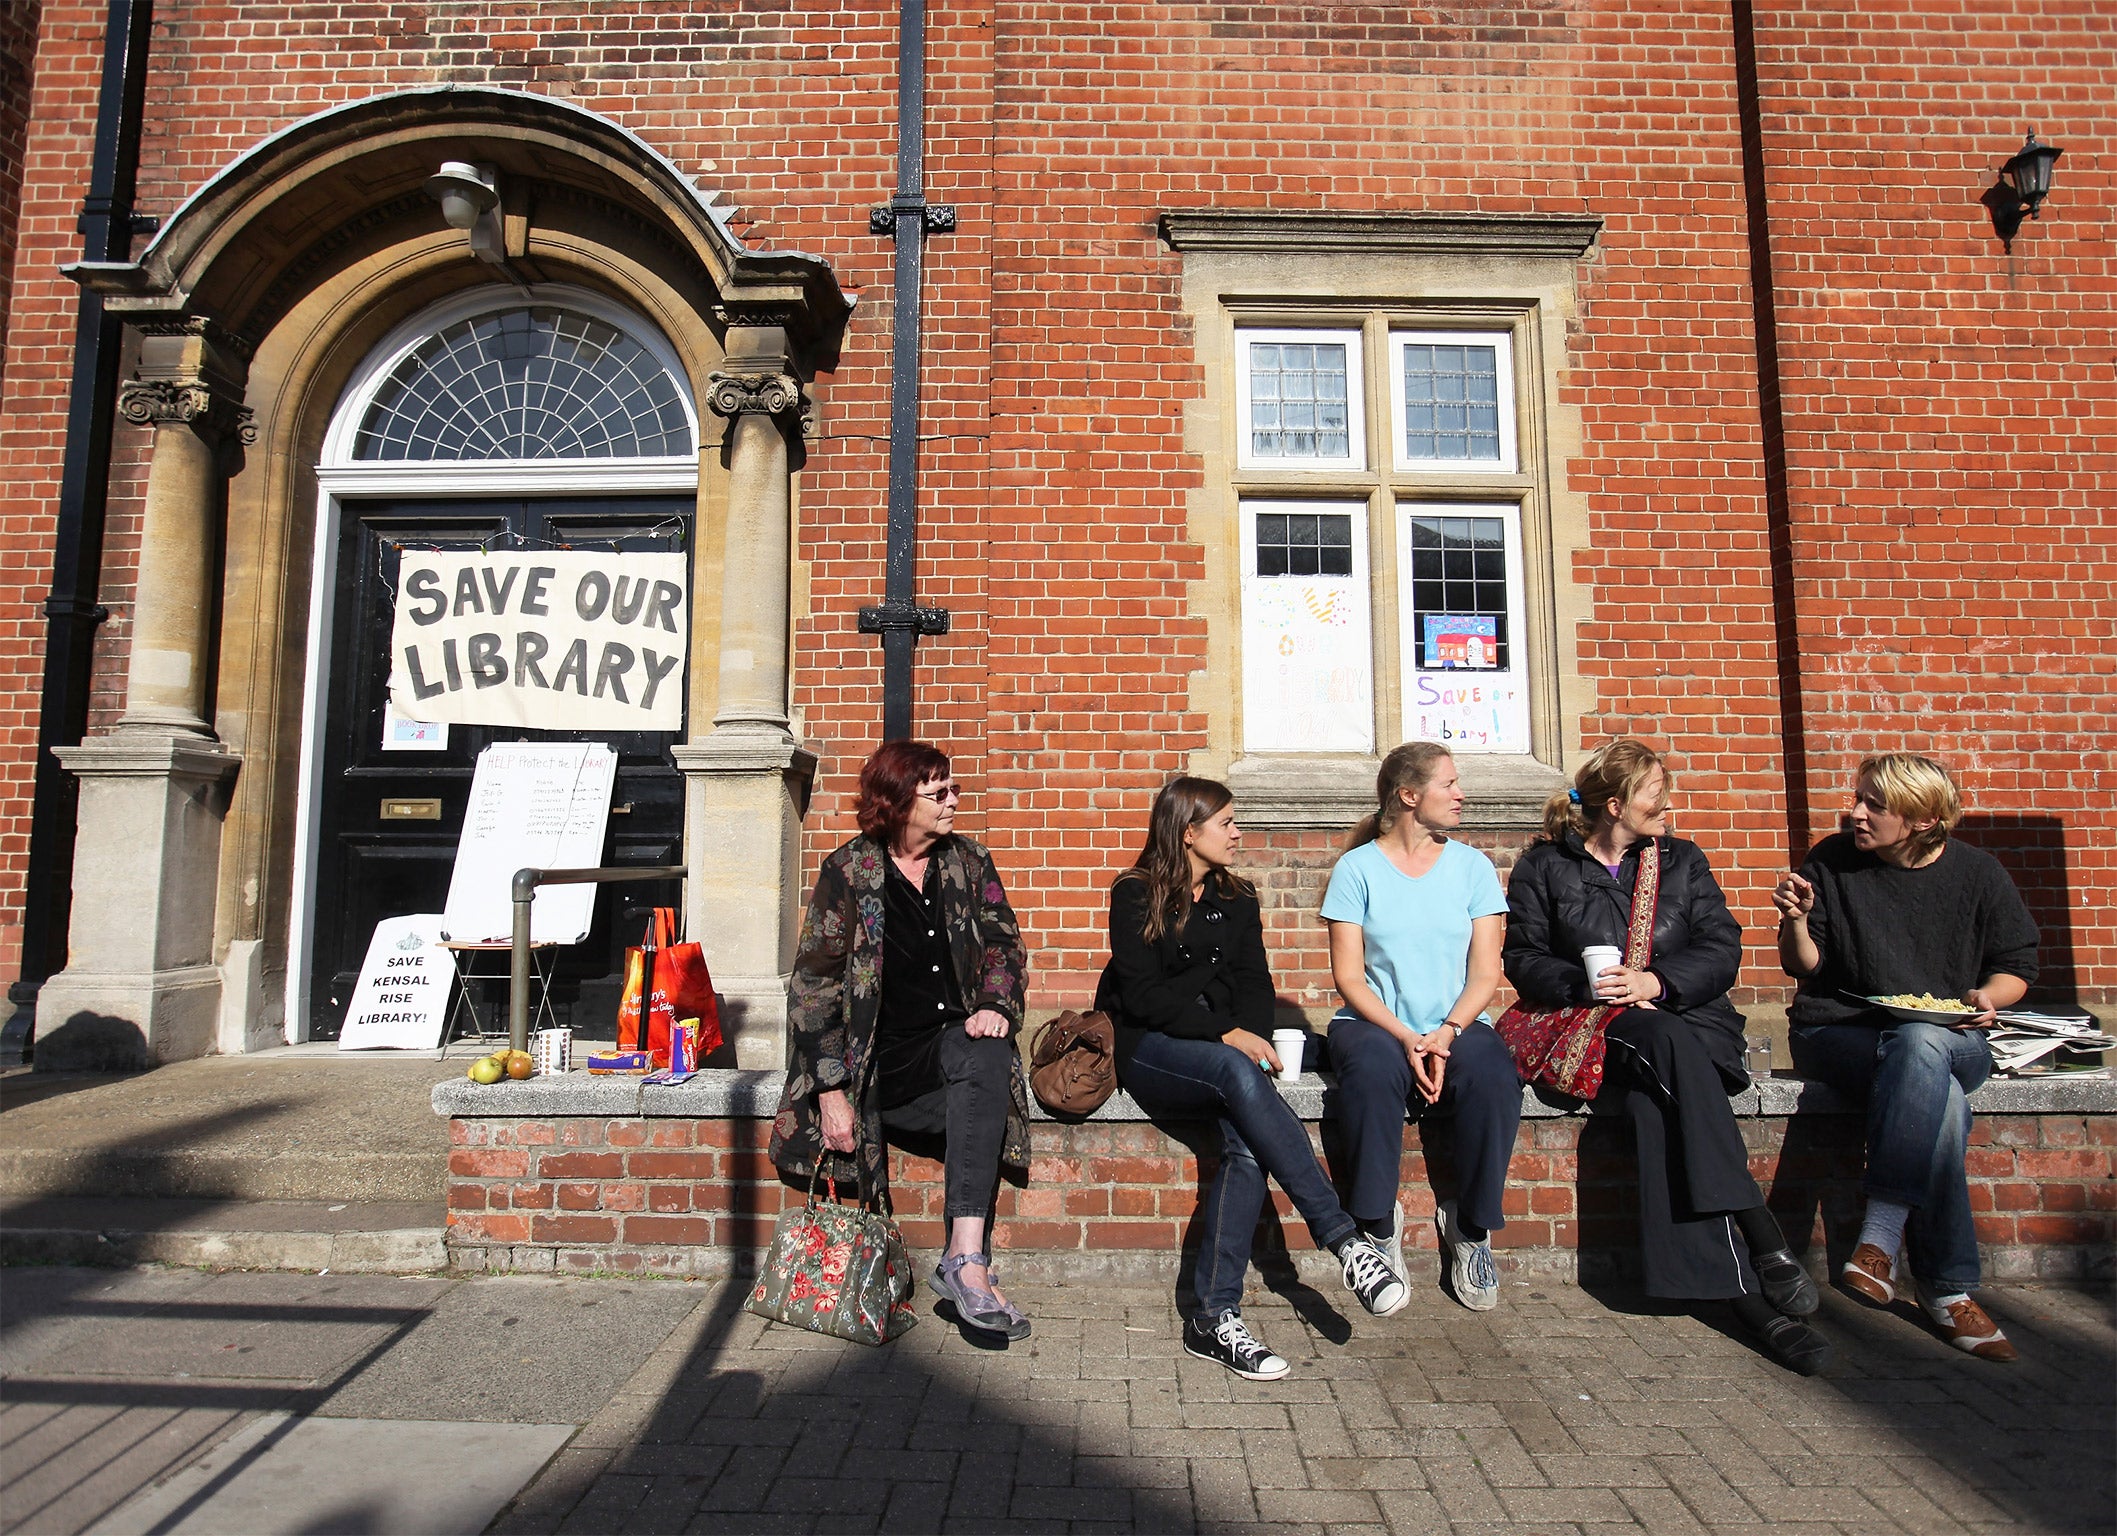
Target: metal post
pixel 899 620
pixel 520 945
pixel 71 610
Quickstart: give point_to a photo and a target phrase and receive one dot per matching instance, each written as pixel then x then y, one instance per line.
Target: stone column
pixel 140 985
pixel 747 780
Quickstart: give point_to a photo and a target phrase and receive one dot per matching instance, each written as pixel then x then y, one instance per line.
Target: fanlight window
pixel 528 383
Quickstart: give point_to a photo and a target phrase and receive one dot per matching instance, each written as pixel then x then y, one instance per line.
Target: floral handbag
pixel 836 1269
pixel 1563 1048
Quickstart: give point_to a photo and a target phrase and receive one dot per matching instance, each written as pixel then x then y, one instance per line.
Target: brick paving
pixel 1564 1411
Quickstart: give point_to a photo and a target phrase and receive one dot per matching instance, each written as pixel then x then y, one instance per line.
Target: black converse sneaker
pixel 1225 1338
pixel 1368 1276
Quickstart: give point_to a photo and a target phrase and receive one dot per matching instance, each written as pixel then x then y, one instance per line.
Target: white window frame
pixel 1348 725
pixel 1355 396
pixel 1497 716
pixel 1509 461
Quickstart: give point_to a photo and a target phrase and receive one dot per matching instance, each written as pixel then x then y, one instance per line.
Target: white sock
pixel 1937 1306
pixel 1884 1225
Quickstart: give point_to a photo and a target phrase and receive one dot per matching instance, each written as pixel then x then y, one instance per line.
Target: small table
pixel 471 970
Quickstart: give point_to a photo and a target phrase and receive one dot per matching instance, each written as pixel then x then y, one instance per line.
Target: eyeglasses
pixel 945 792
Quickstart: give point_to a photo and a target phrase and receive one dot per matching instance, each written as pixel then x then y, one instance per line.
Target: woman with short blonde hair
pixel 1895 907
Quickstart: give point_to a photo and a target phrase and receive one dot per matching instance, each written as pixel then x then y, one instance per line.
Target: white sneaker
pixel 1471 1272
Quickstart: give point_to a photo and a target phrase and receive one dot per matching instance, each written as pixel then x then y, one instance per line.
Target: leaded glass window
pixel 1300 398
pixel 529 383
pixel 1451 401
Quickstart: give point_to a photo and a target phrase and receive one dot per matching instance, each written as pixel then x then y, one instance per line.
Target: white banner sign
pixel 402 998
pixel 572 640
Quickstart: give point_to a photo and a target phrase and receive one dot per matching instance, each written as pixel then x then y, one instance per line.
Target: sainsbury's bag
pixel 666 979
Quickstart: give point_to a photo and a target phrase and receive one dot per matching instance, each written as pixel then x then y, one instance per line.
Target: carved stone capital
pixel 764 394
pixel 207 411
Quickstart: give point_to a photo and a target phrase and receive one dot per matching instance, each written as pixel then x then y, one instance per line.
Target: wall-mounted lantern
pixel 2020 190
pixel 470 201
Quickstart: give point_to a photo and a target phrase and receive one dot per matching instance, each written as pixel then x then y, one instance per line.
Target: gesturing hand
pixel 1794 896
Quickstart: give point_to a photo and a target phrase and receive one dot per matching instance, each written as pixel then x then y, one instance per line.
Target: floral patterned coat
pixel 834 997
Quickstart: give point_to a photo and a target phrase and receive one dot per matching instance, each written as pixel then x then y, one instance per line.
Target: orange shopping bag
pixel 666 979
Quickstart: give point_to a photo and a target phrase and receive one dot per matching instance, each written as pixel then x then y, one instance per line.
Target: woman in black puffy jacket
pixel 1674 1045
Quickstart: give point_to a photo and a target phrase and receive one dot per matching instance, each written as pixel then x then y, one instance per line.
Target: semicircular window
pixel 529 383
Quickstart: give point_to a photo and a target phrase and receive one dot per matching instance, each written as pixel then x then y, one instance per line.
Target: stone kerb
pixel 583 1174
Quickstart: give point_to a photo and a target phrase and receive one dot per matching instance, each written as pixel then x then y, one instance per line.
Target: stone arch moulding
pixel 254 304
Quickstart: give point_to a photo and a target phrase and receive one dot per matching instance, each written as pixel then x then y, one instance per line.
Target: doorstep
pixel 346 1237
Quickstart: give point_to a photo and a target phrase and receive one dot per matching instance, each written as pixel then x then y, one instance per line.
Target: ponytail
pixel 1409 766
pixel 1613 771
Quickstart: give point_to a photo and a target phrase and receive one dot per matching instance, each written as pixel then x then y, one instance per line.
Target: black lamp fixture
pixel 2020 190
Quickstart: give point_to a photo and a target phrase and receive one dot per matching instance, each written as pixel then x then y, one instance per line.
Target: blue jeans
pixel 1916 1078
pixel 1259 1135
pixel 1375 1091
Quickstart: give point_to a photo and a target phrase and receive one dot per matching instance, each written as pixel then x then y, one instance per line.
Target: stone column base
pixel 140 986
pixel 745 788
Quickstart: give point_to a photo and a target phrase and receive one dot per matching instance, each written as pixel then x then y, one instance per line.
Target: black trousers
pixel 1693 1169
pixel 970 1109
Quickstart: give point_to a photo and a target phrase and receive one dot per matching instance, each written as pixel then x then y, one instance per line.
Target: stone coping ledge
pixel 720 1094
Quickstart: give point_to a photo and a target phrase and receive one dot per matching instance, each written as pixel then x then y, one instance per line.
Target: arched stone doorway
pixel 256 306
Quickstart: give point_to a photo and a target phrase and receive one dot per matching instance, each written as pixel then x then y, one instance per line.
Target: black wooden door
pixel 368 868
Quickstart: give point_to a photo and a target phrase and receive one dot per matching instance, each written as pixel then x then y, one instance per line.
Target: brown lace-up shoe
pixel 1868 1275
pixel 1970 1328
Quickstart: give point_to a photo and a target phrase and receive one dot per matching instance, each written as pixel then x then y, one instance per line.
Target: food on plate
pixel 1925 1002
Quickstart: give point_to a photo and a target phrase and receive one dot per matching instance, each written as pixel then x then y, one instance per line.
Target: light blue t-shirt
pixel 1417 930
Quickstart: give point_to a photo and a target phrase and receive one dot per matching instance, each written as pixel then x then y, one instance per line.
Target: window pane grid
pixel 1451 402
pixel 1459 567
pixel 1299 400
pixel 1304 544
pixel 532 383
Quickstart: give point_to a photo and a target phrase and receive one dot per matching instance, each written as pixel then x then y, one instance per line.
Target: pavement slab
pixel 660 1406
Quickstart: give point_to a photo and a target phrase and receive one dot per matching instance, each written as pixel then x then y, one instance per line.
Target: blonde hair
pixel 1917 789
pixel 1613 771
pixel 1409 766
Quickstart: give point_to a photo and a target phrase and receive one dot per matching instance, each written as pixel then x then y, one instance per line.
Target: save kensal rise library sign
pixel 549 640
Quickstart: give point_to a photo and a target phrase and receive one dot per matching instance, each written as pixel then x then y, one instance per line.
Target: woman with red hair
pixel 901 1013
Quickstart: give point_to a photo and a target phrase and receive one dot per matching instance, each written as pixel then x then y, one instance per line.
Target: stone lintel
pixel 1258 230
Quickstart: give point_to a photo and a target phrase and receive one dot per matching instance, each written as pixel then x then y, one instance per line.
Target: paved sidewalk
pixel 174 1400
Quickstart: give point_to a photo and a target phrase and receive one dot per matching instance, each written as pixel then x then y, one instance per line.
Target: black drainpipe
pixel 72 612
pixel 900 620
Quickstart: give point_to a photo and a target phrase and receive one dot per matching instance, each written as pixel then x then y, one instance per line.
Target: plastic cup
pixel 1599 958
pixel 1289 1043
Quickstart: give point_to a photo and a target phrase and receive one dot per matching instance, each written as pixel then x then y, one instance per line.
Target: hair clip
pixel 1573 795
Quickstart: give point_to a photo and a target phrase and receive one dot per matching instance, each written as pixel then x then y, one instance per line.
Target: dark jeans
pixel 1693 1168
pixel 1375 1092
pixel 1916 1078
pixel 1259 1135
pixel 970 1109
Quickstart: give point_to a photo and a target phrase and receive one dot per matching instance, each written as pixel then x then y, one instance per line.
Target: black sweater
pixel 1560 899
pixel 1196 981
pixel 1883 930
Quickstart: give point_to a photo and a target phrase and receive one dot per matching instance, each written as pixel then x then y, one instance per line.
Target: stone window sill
pixel 1504 792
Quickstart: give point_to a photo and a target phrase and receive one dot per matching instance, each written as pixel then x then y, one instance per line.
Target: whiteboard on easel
pixel 541 805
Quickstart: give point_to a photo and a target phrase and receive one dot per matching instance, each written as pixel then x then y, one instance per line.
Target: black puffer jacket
pixel 1560 899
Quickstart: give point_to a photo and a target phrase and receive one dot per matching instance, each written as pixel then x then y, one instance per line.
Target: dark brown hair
pixel 889 782
pixel 1162 866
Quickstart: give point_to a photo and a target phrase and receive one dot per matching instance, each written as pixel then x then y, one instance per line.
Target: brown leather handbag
pixel 1074 1068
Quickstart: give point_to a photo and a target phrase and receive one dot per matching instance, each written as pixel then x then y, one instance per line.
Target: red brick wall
pixel 18 62
pixel 1058 369
pixel 643 1194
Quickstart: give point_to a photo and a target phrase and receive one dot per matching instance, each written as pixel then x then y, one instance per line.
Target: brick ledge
pixel 754 1095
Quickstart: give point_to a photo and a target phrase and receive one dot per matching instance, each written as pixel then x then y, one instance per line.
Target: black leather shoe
pixel 1794 1345
pixel 1786 1284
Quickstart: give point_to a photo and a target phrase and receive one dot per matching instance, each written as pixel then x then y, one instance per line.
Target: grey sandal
pixel 978 1309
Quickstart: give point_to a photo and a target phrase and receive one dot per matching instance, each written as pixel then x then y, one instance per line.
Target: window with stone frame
pixel 1378 477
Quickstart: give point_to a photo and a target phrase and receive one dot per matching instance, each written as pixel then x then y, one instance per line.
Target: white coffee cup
pixel 1289 1043
pixel 1599 958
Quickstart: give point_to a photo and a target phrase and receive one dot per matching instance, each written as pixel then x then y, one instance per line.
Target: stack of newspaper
pixel 2029 1044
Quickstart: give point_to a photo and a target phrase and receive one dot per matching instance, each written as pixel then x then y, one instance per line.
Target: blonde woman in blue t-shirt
pixel 1416 920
